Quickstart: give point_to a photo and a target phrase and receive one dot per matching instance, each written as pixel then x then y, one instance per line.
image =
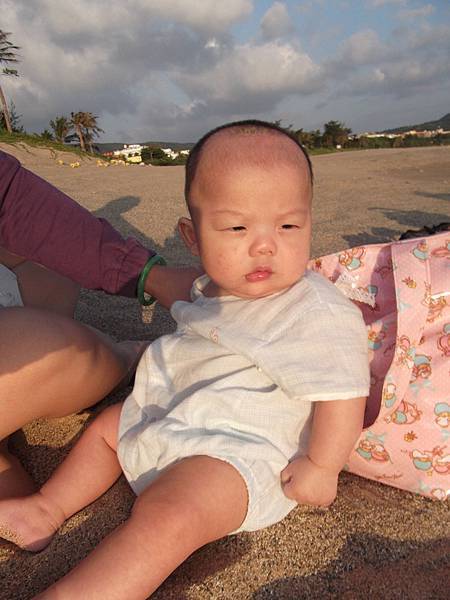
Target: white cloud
pixel 414 13
pixel 68 18
pixel 102 15
pixel 378 3
pixel 276 23
pixel 207 15
pixel 410 73
pixel 407 65
pixel 361 48
pixel 309 5
pixel 379 75
pixel 268 68
pixel 428 37
pixel 212 43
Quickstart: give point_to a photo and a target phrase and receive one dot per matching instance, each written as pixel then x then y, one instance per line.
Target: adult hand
pixel 168 284
pixel 307 483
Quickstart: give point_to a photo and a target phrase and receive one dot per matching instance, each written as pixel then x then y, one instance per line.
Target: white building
pixel 172 154
pixel 130 152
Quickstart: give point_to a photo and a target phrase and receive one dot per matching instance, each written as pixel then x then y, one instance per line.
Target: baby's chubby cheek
pixel 223 259
pixel 217 267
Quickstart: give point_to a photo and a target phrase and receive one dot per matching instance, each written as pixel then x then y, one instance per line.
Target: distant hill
pixel 173 145
pixel 111 146
pixel 443 122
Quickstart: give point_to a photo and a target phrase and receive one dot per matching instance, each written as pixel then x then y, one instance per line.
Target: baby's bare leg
pixel 88 471
pixel 196 501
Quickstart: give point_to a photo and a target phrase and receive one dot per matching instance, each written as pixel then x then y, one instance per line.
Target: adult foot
pixel 30 522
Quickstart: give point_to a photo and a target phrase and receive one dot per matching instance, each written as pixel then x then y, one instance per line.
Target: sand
pixel 375 541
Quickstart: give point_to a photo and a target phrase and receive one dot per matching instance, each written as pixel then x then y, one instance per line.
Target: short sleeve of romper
pixel 321 352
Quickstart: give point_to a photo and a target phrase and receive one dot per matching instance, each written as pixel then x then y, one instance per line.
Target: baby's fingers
pixel 286 475
pixel 289 487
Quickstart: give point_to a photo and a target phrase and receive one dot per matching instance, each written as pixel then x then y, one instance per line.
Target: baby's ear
pixel 187 232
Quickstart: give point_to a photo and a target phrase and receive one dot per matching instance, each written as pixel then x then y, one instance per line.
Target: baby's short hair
pixel 249 127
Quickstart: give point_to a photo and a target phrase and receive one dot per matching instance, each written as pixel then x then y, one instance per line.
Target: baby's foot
pixel 29 522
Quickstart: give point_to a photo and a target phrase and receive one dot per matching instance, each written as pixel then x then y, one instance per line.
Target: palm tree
pixel 86 128
pixel 91 129
pixel 61 128
pixel 46 135
pixel 7 56
pixel 77 121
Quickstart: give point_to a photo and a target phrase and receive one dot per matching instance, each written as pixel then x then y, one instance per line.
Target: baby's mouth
pixel 259 274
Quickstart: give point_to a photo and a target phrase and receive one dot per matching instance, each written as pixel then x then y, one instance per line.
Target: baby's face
pixel 252 229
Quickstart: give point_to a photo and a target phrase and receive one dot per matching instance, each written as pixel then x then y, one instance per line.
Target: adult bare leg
pixel 51 366
pixel 14 480
pixel 40 287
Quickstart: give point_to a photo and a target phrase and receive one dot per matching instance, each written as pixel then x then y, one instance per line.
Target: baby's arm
pixel 312 479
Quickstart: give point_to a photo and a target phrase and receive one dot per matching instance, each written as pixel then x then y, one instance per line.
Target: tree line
pixel 336 135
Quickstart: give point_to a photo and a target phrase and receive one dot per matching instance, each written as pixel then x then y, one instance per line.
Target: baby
pixel 252 406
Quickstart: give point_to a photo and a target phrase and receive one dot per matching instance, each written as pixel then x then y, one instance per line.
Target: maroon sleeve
pixel 40 223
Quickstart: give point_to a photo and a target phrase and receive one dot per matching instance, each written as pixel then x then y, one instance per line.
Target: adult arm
pixel 168 284
pixel 42 224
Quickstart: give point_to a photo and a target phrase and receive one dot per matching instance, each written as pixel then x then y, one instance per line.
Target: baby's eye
pixel 238 228
pixel 289 226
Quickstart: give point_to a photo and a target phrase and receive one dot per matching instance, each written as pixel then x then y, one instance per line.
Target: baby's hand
pixel 307 483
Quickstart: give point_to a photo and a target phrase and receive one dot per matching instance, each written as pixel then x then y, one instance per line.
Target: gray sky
pixel 172 69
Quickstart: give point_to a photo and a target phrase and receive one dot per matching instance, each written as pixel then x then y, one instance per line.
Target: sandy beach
pixel 375 541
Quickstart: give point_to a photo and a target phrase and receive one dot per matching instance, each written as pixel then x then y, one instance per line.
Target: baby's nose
pixel 263 245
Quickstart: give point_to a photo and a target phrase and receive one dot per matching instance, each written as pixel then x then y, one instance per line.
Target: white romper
pixel 236 381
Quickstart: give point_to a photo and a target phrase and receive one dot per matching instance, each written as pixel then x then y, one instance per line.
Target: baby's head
pixel 249 190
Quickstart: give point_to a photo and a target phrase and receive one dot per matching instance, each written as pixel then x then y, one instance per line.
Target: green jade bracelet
pixel 154 260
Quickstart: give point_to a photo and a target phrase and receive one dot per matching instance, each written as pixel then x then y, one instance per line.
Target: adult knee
pixel 32 336
pixel 50 366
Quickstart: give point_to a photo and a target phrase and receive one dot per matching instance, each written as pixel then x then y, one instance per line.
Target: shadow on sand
pixel 114 212
pixel 351 577
pixel 406 218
